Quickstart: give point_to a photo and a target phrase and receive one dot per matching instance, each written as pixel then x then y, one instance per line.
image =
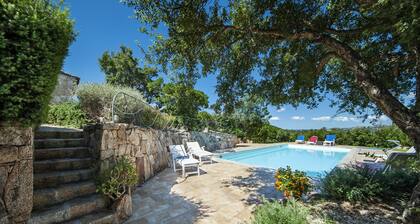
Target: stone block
pixel 18 191
pixel 9 154
pixel 15 136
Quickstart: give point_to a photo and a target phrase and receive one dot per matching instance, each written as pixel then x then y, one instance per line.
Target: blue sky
pixel 103 25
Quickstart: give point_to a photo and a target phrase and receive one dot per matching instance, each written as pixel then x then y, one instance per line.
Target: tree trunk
pixel 412 211
pixel 406 119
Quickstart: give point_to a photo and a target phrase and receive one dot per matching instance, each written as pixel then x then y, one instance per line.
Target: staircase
pixel 64 186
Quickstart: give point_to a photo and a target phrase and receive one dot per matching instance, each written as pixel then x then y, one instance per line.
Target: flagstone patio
pixel 224 193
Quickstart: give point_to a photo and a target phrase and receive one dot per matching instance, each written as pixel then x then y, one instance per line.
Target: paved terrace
pixel 225 193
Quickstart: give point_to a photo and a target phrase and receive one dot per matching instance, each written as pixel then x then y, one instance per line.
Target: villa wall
pixel 145 147
pixel 16 176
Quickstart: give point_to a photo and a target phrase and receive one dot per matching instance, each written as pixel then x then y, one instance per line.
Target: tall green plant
pixel 34 39
pixel 117 181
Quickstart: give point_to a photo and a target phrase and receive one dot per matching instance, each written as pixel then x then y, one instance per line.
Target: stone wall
pixel 146 148
pixel 16 175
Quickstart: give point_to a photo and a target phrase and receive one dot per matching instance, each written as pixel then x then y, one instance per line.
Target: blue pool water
pixel 314 160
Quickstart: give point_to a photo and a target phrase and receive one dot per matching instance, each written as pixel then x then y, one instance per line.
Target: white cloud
pixel 341 118
pixel 354 119
pixel 380 118
pixel 281 109
pixel 411 95
pixel 298 118
pixel 322 118
pixel 275 118
pixel 383 118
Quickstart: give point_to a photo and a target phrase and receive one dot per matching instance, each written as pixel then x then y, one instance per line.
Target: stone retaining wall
pixel 16 174
pixel 146 148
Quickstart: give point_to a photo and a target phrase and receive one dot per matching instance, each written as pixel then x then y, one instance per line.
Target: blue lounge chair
pixel 329 140
pixel 300 139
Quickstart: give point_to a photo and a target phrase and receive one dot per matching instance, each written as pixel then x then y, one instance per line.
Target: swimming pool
pixel 314 160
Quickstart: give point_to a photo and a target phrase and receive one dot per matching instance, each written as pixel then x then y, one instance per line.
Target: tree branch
pixel 417 100
pixel 324 61
pixel 391 106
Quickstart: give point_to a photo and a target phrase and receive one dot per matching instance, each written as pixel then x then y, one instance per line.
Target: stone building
pixel 65 88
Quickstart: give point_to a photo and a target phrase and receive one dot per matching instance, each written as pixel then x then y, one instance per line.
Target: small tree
pixel 183 101
pixel 34 39
pixel 122 68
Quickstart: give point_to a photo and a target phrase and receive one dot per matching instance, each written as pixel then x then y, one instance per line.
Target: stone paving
pixel 225 193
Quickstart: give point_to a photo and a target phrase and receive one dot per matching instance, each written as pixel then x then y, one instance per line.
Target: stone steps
pixel 61 153
pixel 58 143
pixel 62 164
pixel 64 187
pixel 69 210
pixel 50 196
pixel 100 217
pixel 55 178
pixel 58 134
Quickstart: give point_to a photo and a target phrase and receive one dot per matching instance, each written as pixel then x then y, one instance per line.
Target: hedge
pixel 34 39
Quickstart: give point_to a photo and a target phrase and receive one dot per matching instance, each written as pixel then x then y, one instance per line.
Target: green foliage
pixel 271 134
pixel 34 39
pixel 122 68
pixel 184 102
pixel 96 102
pixel 117 181
pixel 281 40
pixel 67 114
pixel 291 212
pixel 361 184
pixel 293 184
pixel 366 136
pixel 352 184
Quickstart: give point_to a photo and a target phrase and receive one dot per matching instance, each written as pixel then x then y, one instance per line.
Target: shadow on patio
pixel 155 203
pixel 259 184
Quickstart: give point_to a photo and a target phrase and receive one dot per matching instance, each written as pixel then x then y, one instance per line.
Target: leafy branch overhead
pixel 364 52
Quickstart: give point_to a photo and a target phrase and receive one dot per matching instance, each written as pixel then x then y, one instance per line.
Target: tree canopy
pixel 366 52
pixel 184 102
pixel 122 68
pixel 296 51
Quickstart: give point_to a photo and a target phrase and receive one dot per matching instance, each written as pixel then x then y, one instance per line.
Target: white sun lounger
pixel 197 151
pixel 181 158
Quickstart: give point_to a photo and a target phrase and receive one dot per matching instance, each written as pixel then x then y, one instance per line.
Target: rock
pixel 123 207
pixel 16 174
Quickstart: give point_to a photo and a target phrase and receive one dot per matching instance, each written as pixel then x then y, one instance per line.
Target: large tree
pixel 296 51
pixel 122 68
pixel 184 102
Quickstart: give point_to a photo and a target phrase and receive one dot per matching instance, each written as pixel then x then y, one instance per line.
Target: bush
pixel 117 181
pixel 96 101
pixel 292 183
pixel 67 114
pixel 361 184
pixel 34 39
pixel 290 212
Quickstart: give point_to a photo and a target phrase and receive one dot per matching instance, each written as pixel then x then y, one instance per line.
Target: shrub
pixel 361 184
pixel 291 183
pixel 291 212
pixel 96 101
pixel 397 183
pixel 358 184
pixel 117 181
pixel 34 39
pixel 66 114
